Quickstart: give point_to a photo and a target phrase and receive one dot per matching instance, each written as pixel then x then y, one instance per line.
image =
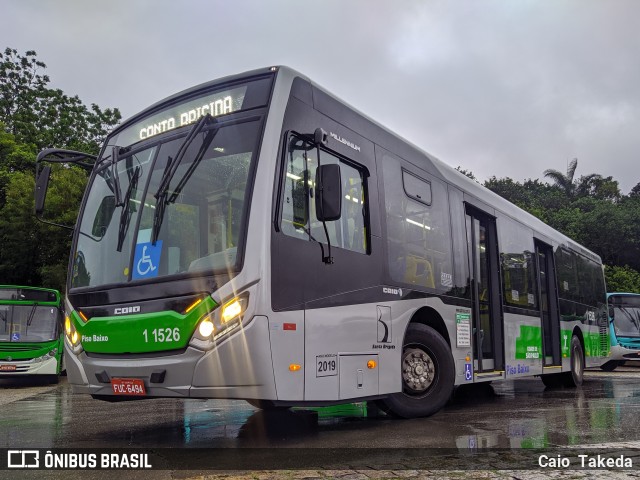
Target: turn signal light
pixel 67 325
pixel 294 367
pixel 371 364
pixel 74 337
pixel 193 305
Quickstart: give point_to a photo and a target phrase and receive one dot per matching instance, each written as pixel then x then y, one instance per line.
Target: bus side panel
pixel 523 345
pixel 286 334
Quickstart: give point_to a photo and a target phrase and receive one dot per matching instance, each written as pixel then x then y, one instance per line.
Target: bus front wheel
pixel 428 374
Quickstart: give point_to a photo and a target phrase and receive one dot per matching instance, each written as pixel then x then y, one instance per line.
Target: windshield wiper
pixel 126 213
pixel 196 161
pixel 117 193
pixel 31 313
pixel 170 170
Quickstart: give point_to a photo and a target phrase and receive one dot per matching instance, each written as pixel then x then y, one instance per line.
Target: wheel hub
pixel 418 369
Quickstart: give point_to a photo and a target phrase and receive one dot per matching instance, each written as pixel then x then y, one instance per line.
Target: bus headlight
pixel 73 337
pixel 206 328
pixel 220 322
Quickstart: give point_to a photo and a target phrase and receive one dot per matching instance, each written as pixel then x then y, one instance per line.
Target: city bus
pixel 624 329
pixel 31 341
pixel 257 238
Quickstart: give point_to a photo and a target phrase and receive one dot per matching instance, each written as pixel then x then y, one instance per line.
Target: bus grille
pixel 16 348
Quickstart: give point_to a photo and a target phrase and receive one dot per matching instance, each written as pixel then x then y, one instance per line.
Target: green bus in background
pixel 30 332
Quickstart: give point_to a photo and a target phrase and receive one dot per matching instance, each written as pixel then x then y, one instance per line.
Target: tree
pixel 45 117
pixel 622 279
pixel 584 186
pixel 34 116
pixel 565 182
pixel 597 186
pixel 14 157
pixel 466 173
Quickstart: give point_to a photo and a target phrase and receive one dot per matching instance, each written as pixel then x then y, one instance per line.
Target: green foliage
pixel 14 157
pixel 466 173
pixel 45 117
pixel 19 233
pixel 591 210
pixel 622 279
pixel 34 116
pixel 34 253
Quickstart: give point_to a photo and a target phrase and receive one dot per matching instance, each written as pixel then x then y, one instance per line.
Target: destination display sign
pixel 215 104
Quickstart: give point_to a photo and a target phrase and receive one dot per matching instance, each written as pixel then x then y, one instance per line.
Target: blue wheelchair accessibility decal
pixel 15 337
pixel 146 260
pixel 468 374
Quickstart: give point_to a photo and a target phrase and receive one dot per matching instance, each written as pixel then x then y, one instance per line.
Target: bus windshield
pixel 28 323
pixel 199 220
pixel 626 315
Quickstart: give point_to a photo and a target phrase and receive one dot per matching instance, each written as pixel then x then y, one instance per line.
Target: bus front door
pixel 487 314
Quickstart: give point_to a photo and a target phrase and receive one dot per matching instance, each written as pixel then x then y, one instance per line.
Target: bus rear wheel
pixel 575 377
pixel 428 374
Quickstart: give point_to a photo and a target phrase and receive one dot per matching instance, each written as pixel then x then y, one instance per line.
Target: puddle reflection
pixel 519 414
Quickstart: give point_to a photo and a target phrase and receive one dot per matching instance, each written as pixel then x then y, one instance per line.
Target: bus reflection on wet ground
pixel 513 414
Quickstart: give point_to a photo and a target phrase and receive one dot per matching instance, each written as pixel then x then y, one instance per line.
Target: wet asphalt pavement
pixel 515 414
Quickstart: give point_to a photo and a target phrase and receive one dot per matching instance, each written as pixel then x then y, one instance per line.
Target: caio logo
pixel 392 291
pixel 23 459
pixel 126 310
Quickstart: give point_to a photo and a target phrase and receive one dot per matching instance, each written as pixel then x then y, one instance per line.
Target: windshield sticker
pixel 15 337
pixel 147 260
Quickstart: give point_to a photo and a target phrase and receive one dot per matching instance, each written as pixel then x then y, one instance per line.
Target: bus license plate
pixel 7 368
pixel 128 386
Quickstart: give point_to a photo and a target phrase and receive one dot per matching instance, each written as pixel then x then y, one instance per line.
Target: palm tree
pixel 565 182
pixel 573 188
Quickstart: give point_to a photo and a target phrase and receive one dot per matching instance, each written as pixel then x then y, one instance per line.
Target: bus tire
pixel 428 374
pixel 266 405
pixel 575 377
pixel 610 366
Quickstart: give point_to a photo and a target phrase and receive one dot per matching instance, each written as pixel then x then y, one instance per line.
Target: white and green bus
pixel 257 238
pixel 31 340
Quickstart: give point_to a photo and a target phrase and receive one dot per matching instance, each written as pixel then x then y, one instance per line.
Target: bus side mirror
pixel 42 183
pixel 328 192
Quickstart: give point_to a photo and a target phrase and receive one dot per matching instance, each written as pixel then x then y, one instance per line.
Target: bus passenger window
pixel 298 204
pixel 418 228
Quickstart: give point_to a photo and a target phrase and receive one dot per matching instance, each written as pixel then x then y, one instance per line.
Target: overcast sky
pixel 505 88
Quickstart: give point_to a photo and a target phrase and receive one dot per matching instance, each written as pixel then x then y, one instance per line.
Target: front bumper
pixel 26 367
pixel 239 367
